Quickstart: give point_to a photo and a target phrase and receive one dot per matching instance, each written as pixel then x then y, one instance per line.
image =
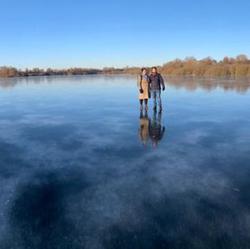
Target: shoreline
pixel 195 77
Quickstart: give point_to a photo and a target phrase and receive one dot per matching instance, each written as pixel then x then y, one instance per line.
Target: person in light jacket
pixel 143 86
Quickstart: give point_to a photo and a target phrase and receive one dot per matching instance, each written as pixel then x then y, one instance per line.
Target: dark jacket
pixel 156 82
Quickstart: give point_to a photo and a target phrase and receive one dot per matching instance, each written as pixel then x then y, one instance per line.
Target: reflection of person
pixel 156 130
pixel 151 128
pixel 143 85
pixel 156 84
pixel 144 128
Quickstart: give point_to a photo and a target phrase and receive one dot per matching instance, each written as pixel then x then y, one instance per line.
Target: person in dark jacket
pixel 156 84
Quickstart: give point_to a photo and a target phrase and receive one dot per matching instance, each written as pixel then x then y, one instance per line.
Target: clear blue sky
pixel 90 33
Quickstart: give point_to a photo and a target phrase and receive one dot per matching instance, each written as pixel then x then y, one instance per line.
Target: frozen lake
pixel 81 168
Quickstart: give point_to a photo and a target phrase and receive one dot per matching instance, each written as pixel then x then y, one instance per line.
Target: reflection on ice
pixel 151 128
pixel 239 85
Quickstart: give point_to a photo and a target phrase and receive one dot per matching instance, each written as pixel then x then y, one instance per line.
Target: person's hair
pixel 154 68
pixel 143 69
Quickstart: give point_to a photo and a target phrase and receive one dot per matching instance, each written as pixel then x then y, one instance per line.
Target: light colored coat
pixel 144 85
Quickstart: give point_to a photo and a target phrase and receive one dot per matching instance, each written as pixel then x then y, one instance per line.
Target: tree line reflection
pixel 192 84
pixel 188 83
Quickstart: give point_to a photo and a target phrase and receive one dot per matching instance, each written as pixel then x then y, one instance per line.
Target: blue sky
pixel 90 33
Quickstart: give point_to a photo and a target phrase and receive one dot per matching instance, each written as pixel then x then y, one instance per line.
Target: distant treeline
pixel 228 67
pixel 13 72
pixel 208 67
